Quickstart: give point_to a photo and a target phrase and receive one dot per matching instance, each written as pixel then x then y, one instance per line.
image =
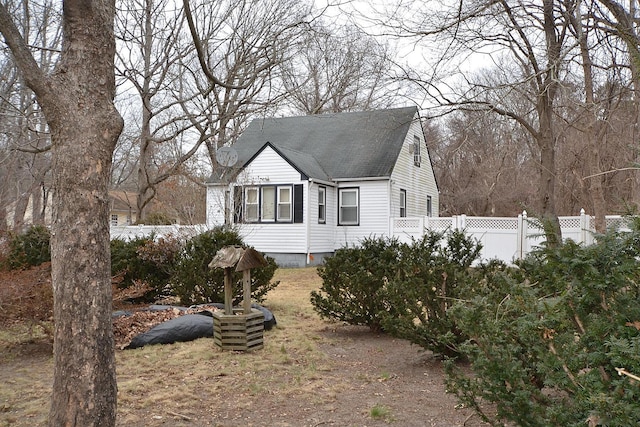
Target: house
pixel 303 187
pixel 122 210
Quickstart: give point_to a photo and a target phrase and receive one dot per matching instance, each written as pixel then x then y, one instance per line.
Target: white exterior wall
pixel 378 202
pixel 419 182
pixel 373 213
pixel 269 168
pixel 322 236
pixel 215 205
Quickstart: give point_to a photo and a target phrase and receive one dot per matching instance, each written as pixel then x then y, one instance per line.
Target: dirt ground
pixel 309 373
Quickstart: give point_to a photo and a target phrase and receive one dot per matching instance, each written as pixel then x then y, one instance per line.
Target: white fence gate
pixel 503 238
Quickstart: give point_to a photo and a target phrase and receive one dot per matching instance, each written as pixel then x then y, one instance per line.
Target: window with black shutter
pixel 268 203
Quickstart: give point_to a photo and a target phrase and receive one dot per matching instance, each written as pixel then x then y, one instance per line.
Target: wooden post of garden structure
pixel 228 290
pixel 246 289
pixel 239 330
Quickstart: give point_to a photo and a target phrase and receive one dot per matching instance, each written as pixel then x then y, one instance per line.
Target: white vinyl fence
pixel 502 238
pixel 130 232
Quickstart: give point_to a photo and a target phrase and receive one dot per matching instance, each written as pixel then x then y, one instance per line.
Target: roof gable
pixel 332 146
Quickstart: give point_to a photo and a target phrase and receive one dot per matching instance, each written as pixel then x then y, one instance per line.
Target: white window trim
pixel 246 216
pixel 322 203
pixel 280 203
pixel 263 202
pixel 341 191
pixel 417 157
pixel 403 203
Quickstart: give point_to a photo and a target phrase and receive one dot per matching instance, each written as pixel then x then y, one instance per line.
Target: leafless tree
pixel 26 162
pixel 527 43
pixel 150 64
pixel 336 69
pixel 77 101
pixel 240 45
pixel 481 165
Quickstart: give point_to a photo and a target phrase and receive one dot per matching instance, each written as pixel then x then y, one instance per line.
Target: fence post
pixel 583 227
pixel 522 235
pixel 463 222
pixel 519 238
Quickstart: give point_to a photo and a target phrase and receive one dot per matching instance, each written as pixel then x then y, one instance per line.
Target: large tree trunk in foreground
pixel 84 134
pixel 78 103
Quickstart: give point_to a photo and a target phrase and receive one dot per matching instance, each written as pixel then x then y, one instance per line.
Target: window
pixel 429 211
pixel 348 202
pixel 114 220
pixel 268 204
pixel 322 205
pixel 417 158
pixel 251 204
pixel 284 203
pixel 403 203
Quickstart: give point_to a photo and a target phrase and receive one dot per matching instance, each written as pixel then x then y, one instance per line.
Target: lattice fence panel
pixel 617 223
pixel 403 223
pixel 439 223
pixel 570 222
pixel 492 223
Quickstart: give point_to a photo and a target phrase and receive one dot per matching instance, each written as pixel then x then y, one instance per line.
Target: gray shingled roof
pixel 331 146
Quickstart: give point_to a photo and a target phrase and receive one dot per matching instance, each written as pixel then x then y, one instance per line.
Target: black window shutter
pixel 298 199
pixel 237 204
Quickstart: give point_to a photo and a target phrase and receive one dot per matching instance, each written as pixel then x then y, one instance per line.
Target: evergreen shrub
pixel 146 259
pixel 354 282
pixel 29 248
pixel 432 273
pixel 195 283
pixel 546 339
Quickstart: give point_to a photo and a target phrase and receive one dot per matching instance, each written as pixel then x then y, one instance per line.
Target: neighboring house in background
pixel 303 187
pixel 122 210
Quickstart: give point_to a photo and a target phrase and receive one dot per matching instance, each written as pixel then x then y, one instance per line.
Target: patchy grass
pixel 381 412
pixel 160 381
pixel 309 373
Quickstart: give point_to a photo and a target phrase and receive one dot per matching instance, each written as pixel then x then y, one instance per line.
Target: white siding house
pixel 305 186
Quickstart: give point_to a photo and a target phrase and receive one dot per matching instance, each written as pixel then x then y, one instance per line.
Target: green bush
pixel 546 338
pixel 29 248
pixel 432 272
pixel 402 289
pixel 195 283
pixel 147 259
pixel 354 282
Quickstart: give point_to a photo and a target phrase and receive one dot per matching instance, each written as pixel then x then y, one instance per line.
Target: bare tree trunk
pixel 20 209
pixel 548 215
pixel 145 190
pixel 78 103
pixel 625 24
pixel 596 191
pixel 546 137
pixel 83 340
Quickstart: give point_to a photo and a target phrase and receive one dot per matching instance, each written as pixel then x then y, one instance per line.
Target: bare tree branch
pixel 29 68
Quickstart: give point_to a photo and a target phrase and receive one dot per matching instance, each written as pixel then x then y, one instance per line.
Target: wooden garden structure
pixel 241 328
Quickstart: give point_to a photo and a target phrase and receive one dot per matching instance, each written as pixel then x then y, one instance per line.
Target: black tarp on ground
pixel 187 327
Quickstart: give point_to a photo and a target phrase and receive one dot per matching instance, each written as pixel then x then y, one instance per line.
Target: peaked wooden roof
pixel 330 146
